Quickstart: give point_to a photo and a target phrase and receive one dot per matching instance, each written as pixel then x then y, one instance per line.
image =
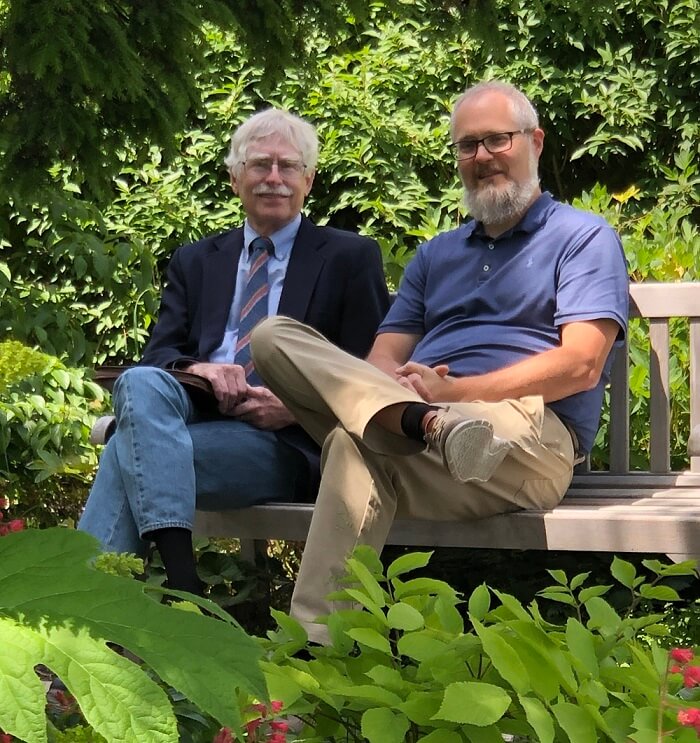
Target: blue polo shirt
pixel 480 304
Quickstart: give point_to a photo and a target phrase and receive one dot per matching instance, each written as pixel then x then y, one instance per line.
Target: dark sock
pixel 412 418
pixel 175 547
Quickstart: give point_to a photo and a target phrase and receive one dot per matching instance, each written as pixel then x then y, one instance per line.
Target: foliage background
pixel 106 185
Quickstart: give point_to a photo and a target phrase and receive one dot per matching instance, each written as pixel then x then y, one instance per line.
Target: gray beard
pixel 493 205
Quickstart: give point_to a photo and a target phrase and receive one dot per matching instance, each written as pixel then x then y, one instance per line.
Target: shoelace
pixel 432 438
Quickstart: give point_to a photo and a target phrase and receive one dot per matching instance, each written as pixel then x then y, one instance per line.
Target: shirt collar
pixel 531 221
pixel 283 239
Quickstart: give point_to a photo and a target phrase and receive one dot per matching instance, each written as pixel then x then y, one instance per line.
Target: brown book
pixel 198 388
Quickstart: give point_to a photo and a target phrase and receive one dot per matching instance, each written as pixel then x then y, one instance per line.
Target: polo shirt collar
pixel 533 219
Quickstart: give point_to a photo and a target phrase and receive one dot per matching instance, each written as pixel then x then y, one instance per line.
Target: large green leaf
pixel 46 581
pixel 118 700
pixel 381 725
pixel 473 703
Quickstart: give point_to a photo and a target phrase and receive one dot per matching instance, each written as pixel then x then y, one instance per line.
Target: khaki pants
pixel 370 475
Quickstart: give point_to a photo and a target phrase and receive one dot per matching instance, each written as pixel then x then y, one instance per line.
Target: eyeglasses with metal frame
pixel 494 144
pixel 262 167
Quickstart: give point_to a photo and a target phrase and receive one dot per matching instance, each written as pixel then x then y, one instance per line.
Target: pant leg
pixel 160 462
pixel 362 491
pixel 237 465
pixel 322 385
pixel 145 479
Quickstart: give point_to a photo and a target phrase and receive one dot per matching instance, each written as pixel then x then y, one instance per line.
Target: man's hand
pixel 227 380
pixel 432 383
pixel 263 410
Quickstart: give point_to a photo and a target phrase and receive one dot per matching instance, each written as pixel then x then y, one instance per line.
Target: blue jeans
pixel 162 461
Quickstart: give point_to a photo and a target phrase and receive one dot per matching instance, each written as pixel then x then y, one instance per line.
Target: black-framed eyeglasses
pixel 262 166
pixel 466 149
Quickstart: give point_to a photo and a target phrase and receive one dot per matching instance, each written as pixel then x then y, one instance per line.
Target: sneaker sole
pixel 472 452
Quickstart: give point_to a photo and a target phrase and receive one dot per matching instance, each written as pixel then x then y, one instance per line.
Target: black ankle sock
pixel 175 547
pixel 412 418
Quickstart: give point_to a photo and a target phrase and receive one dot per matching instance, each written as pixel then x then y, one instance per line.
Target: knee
pixel 141 383
pixel 266 336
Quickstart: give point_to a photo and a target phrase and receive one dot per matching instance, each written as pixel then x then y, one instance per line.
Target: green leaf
pixel 578 580
pixel 660 593
pixel 407 563
pixel 381 725
pixel 368 581
pixel 575 722
pixel 473 703
pixel 45 577
pixel 588 593
pixel 504 658
pixel 559 576
pixel 364 600
pixel 582 646
pixel 422 587
pixel 420 646
pixel 602 615
pixel 441 736
pixel 116 697
pixel 623 571
pixel 371 638
pixel 479 602
pixel 539 718
pixel 404 617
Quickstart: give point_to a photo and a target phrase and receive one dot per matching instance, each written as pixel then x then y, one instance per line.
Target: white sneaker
pixel 468 446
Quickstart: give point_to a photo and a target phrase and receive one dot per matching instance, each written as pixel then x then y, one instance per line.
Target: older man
pixel 167 455
pixel 495 354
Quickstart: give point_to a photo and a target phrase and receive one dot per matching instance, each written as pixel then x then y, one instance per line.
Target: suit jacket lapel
pixel 304 267
pixel 218 285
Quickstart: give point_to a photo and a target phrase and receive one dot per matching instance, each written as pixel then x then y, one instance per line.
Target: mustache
pixel 263 190
pixel 486 170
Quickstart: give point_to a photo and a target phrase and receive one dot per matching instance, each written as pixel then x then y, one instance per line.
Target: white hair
pixel 273 121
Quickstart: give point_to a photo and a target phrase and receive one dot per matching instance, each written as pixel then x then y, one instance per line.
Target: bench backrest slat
pixel 694 352
pixel 659 402
pixel 619 427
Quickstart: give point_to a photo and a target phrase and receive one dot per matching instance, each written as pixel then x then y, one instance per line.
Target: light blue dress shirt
pixel 283 241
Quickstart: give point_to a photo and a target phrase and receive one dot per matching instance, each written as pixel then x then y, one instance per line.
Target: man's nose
pixel 482 153
pixel 274 175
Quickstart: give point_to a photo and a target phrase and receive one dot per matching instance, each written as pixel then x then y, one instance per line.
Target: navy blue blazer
pixel 334 282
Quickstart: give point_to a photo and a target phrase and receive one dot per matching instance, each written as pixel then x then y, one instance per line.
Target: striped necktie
pixel 253 304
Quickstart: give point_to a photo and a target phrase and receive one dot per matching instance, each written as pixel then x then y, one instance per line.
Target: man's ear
pixel 233 182
pixel 309 178
pixel 538 140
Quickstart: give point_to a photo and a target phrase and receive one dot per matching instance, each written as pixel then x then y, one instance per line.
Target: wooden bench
pixel 617 510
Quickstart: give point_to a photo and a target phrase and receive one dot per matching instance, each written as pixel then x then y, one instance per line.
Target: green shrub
pixel 402 666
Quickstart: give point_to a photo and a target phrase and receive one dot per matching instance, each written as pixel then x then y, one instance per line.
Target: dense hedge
pixel 615 86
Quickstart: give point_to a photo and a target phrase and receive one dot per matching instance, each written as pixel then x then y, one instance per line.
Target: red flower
pixel 4 504
pixel 223 736
pixel 691 676
pixel 5 737
pixel 277 738
pixel 682 655
pixel 690 718
pixel 16 525
pixel 279 726
pixel 276 706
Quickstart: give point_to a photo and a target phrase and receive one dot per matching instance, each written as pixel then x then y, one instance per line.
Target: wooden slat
pixel 619 425
pixel 662 299
pixel 694 371
pixel 659 404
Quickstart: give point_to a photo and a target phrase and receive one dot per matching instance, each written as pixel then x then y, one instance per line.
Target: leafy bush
pixel 46 411
pixel 403 667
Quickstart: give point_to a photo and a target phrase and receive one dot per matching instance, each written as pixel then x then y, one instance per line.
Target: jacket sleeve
pixel 366 300
pixel 170 344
